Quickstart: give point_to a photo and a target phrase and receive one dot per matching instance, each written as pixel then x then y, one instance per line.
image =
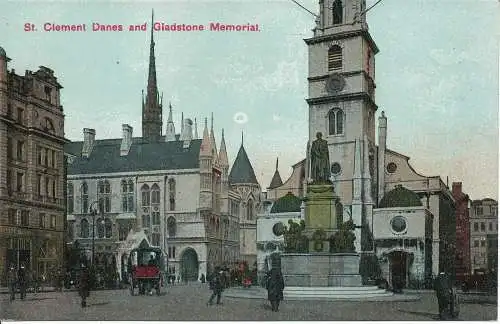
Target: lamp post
pixel 93 213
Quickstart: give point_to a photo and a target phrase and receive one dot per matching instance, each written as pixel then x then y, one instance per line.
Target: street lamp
pixel 93 213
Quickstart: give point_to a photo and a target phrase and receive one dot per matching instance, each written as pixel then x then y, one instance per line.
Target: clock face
pixel 335 83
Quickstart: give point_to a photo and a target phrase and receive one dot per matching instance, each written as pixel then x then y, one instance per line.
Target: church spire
pixel 170 131
pixel 206 147
pixel 195 129
pixel 152 110
pixel 223 152
pixel 212 137
pixel 276 180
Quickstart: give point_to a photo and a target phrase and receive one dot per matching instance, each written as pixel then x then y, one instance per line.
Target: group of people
pixel 17 280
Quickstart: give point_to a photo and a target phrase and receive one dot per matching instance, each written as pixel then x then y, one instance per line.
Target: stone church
pixel 403 218
pixel 171 190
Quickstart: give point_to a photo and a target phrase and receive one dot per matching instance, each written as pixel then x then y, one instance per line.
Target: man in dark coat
pixel 275 286
pixel 442 286
pixel 84 284
pixel 22 281
pixel 216 284
pixel 12 282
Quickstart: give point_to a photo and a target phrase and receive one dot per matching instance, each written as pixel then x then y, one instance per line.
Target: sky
pixel 436 75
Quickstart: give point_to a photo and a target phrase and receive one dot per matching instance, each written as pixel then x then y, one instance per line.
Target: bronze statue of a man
pixel 320 160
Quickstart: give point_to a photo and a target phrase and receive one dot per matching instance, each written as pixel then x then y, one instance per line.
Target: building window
pixel 19 182
pixel 146 220
pixel 476 243
pixel 171 252
pixel 20 116
pixel 476 227
pixel 84 228
pixel 479 210
pixel 53 221
pixel 43 220
pixel 53 188
pixel 39 155
pixel 69 198
pixel 335 59
pixel 25 218
pixel 335 122
pixel 10 148
pixel 250 210
pixel 20 150
pixel 156 218
pixel 70 232
pixel 155 239
pixel 483 243
pixel 85 198
pixel 108 224
pixel 490 226
pixel 483 227
pixel 12 216
pixel 100 227
pixel 104 196
pixel 47 186
pixel 337 12
pixel 9 182
pixel 171 191
pixel 155 195
pixel 127 195
pixel 46 157
pixel 171 226
pixel 145 195
pixel 123 231
pixel 48 91
pixel 54 158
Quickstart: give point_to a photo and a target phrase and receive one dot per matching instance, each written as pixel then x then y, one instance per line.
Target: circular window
pixel 336 168
pixel 398 224
pixel 391 167
pixel 278 229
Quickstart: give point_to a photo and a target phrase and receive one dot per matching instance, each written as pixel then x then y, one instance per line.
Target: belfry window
pixel 335 122
pixel 335 58
pixel 337 12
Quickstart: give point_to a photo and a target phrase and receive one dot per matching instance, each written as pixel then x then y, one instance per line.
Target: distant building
pixel 31 170
pixel 483 225
pixel 462 253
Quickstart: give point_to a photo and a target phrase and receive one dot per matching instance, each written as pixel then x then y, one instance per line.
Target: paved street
pixel 189 303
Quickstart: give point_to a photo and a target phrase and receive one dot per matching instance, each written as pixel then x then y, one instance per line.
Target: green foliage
pixel 294 240
pixel 343 239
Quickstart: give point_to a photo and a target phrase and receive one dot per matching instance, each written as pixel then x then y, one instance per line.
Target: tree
pixel 343 239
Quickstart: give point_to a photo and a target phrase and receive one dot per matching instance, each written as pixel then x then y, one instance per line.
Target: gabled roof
pixel 276 180
pixel 143 156
pixel 242 170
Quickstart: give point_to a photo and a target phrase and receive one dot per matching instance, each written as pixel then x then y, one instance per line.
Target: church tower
pixel 152 107
pixel 342 102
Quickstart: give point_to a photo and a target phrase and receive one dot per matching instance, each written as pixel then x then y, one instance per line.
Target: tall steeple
pixel 170 131
pixel 212 138
pixel 206 145
pixel 222 152
pixel 152 109
pixel 276 180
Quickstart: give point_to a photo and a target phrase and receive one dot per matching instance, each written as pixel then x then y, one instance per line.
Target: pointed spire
pixel 170 131
pixel 241 138
pixel 206 147
pixel 276 163
pixel 195 129
pixel 212 137
pixel 151 112
pixel 276 180
pixel 182 122
pixel 223 152
pixel 170 119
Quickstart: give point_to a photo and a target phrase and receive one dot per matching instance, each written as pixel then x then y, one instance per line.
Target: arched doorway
pixel 189 265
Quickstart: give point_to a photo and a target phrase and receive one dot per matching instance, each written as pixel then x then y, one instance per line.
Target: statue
pixel 320 161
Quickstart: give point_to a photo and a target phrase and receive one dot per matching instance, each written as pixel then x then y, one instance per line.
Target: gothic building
pixel 31 170
pixel 342 107
pixel 171 190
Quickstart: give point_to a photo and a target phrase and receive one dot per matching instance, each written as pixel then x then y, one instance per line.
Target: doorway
pixel 399 270
pixel 189 265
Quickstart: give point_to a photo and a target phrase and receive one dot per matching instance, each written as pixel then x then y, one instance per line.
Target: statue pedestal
pixel 320 210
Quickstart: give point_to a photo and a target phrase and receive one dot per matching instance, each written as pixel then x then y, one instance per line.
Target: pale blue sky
pixel 436 74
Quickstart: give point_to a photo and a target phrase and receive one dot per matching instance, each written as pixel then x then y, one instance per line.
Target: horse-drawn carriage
pixel 146 267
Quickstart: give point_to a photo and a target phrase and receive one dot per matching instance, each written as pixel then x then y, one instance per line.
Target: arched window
pixel 171 226
pixel 70 197
pixel 250 210
pixel 100 227
pixel 155 195
pixel 85 197
pixel 48 126
pixel 337 12
pixel 146 220
pixel 84 228
pixel 171 192
pixel 104 196
pixel 145 195
pixel 108 226
pixel 335 58
pixel 335 122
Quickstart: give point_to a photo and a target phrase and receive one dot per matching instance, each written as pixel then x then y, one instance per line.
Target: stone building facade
pixel 483 233
pixel 462 254
pixel 31 170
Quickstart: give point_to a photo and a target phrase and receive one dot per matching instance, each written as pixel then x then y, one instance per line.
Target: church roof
pixel 143 156
pixel 276 180
pixel 242 170
pixel 400 197
pixel 287 203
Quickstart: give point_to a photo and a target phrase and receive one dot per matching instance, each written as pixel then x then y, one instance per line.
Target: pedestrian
pixel 275 285
pixel 12 282
pixel 216 284
pixel 442 286
pixel 22 281
pixel 84 284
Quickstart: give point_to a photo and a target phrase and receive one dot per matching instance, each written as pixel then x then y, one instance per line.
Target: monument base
pixel 321 269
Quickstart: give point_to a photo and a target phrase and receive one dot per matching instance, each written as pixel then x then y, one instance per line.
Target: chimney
pixel 126 139
pixel 187 133
pixel 456 188
pixel 88 141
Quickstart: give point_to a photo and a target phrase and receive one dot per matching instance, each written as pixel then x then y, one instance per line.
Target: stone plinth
pixel 320 209
pixel 321 269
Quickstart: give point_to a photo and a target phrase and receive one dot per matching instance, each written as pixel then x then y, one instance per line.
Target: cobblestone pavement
pixel 189 303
